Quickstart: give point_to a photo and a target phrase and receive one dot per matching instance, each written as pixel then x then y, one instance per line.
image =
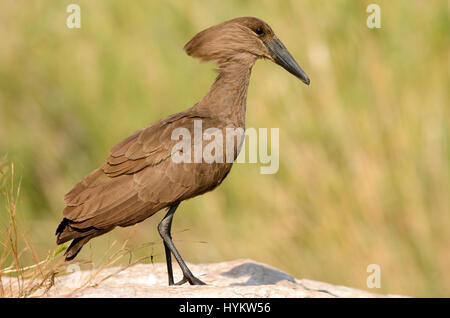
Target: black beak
pixel 283 58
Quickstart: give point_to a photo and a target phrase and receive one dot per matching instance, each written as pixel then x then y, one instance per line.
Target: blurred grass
pixel 364 151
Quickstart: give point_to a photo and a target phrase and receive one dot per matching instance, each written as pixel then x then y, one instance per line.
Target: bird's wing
pixel 139 177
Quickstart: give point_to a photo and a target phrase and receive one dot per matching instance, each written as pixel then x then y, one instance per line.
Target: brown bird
pixel 140 176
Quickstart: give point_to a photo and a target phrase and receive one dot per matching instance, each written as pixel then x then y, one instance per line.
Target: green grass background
pixel 364 151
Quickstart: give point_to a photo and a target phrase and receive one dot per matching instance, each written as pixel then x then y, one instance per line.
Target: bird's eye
pixel 259 31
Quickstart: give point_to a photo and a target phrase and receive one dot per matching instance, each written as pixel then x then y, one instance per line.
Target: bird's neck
pixel 228 95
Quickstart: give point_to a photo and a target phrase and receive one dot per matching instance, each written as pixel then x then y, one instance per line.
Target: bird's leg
pixel 164 228
pixel 168 227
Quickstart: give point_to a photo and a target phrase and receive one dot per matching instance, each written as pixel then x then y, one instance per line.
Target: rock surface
pixel 239 278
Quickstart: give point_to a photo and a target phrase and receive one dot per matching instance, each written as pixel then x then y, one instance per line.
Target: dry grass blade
pixel 17 280
pixel 36 280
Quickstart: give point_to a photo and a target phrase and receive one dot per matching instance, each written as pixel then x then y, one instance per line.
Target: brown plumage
pixel 139 177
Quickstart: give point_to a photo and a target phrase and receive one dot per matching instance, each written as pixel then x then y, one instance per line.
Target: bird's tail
pixel 65 233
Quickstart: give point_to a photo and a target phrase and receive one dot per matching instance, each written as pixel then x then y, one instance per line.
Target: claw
pixel 182 281
pixel 192 281
pixel 196 281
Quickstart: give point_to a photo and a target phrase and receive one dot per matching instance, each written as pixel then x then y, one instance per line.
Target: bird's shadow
pixel 258 275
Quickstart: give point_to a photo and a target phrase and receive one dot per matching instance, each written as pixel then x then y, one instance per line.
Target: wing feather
pixel 137 180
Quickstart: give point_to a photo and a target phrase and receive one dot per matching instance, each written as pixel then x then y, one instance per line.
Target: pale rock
pixel 234 279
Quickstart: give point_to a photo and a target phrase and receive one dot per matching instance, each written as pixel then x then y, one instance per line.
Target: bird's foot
pixel 191 280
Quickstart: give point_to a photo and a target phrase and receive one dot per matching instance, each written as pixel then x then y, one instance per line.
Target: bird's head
pixel 243 40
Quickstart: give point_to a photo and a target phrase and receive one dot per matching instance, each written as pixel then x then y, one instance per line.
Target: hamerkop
pixel 140 177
